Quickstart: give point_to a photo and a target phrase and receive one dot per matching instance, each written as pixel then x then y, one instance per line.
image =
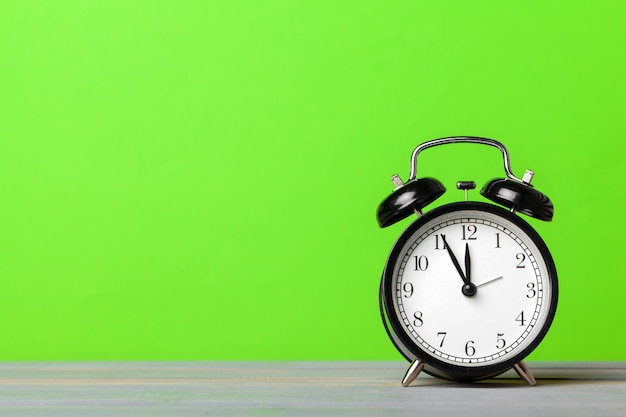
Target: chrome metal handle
pixel 468 139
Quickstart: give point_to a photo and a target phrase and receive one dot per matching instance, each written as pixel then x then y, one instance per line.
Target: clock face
pixel 469 285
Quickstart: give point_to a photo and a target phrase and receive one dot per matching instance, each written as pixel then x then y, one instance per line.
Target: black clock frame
pixel 403 342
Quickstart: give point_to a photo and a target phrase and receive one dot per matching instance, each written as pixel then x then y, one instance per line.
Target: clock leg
pixel 524 372
pixel 414 369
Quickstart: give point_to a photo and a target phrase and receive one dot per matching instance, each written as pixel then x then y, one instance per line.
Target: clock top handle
pixel 469 139
pixel 512 192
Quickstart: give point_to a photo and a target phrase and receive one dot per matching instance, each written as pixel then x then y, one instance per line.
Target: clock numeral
pixel 470 350
pixel 443 337
pixel 497 240
pixel 520 319
pixel 408 289
pixel 532 292
pixel 468 232
pixel 418 322
pixel 441 238
pixel 521 258
pixel 501 343
pixel 421 263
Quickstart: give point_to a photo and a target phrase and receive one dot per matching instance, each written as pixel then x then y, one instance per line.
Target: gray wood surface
pixel 301 389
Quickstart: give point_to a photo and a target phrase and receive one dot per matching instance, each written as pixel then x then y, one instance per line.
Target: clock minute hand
pixel 454 260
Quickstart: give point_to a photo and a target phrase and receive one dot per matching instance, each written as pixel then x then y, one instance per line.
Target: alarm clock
pixel 470 288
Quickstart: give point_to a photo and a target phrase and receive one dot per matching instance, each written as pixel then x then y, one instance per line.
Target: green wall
pixel 199 179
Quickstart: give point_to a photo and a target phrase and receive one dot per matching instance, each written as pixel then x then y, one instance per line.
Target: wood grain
pixel 301 389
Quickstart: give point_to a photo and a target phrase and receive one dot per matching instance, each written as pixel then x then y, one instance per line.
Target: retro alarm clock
pixel 469 288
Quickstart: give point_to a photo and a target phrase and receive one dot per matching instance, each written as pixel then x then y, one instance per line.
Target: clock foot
pixel 414 370
pixel 524 372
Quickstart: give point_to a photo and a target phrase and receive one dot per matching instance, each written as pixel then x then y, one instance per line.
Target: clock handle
pixel 468 139
pixel 515 193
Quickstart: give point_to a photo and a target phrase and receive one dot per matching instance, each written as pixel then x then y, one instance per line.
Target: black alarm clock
pixel 469 288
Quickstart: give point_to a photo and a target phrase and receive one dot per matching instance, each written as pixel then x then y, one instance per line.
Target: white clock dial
pixel 470 288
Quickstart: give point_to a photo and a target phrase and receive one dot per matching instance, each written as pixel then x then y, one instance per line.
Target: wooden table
pixel 301 389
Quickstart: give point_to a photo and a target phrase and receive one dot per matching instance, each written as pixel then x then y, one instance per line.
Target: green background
pixel 199 179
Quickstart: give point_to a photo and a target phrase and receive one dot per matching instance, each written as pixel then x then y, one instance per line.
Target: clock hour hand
pixel 469 288
pixel 468 269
